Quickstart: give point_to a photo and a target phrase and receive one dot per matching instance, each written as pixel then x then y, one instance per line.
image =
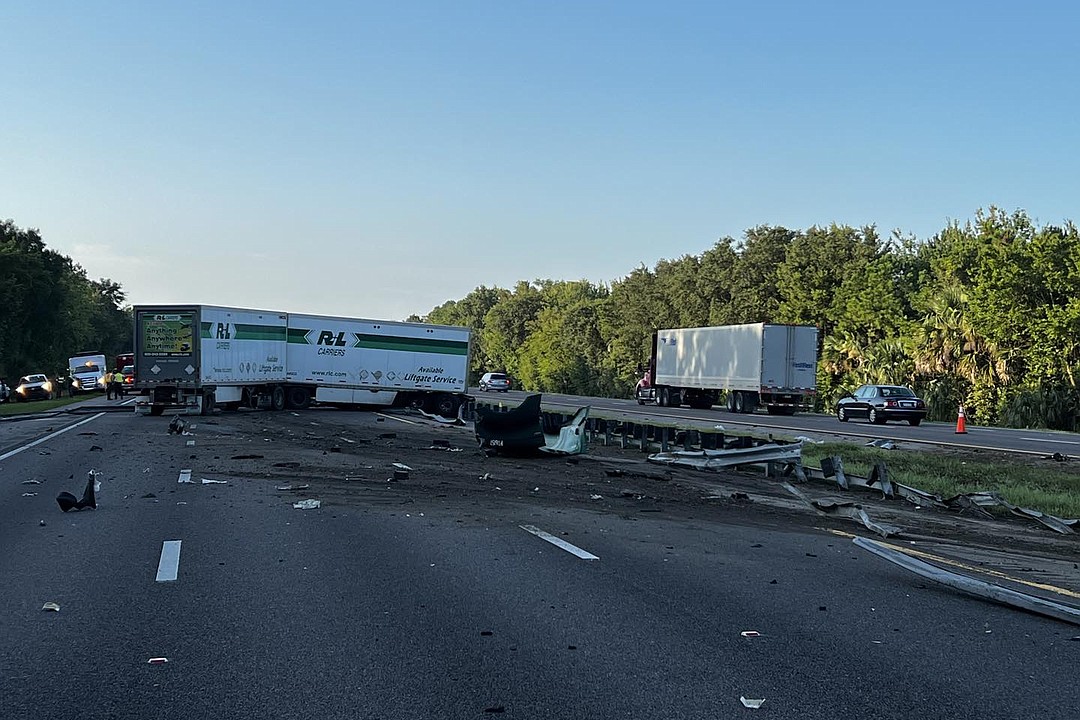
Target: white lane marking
pixel 169 564
pixel 1062 442
pixel 185 477
pixel 559 543
pixel 392 417
pixel 48 437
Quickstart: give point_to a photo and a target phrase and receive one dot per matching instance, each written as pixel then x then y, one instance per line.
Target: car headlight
pixel 75 382
pixel 47 386
pixel 21 390
pixel 101 381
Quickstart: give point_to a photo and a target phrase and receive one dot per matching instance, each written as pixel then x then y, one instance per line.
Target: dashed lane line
pixel 559 543
pixel 169 564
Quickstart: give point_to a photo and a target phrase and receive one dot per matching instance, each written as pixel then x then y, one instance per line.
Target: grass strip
pixel 1038 484
pixel 37 406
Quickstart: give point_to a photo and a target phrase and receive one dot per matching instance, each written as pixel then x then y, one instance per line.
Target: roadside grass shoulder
pixel 1027 481
pixel 36 406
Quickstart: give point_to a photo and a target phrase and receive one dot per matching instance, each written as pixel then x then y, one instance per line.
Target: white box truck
pixel 756 365
pixel 193 357
pixel 87 372
pixel 196 357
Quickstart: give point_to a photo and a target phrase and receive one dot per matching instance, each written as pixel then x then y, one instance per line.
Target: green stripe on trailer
pixel 259 332
pixel 298 336
pixel 405 344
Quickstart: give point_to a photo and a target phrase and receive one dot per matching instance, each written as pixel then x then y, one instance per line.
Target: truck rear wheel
pixel 207 403
pixel 277 398
pixel 297 398
pixel 156 410
pixel 739 402
pixel 664 399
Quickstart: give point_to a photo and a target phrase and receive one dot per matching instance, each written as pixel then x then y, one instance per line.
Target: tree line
pixel 50 310
pixel 985 313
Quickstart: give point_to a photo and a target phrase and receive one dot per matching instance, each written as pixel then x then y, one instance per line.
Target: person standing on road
pixel 108 385
pixel 117 384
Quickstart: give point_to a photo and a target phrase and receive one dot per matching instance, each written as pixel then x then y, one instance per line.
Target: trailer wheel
pixel 446 405
pixel 665 398
pixel 740 402
pixel 156 410
pixel 208 403
pixel 297 398
pixel 277 398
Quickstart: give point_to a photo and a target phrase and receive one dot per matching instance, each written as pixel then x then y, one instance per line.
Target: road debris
pixel 176 425
pixel 804 439
pixel 754 704
pixel 720 459
pixel 157 661
pixel 29 494
pixel 402 466
pixel 970 585
pixel 883 444
pixel 307 504
pixel 291 488
pixel 208 481
pixel 67 501
pixel 844 508
pixel 51 607
pixel 31 482
pixel 596 497
pixel 247 457
pixel 750 633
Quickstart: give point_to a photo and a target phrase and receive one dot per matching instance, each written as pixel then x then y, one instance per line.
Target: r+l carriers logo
pixel 224 331
pixel 331 343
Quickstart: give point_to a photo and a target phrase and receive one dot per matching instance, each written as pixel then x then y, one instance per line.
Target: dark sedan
pixel 881 403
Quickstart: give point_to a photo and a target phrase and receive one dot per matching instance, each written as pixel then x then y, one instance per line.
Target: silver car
pixel 495 381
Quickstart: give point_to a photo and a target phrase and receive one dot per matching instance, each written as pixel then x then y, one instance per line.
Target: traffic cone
pixel 961 422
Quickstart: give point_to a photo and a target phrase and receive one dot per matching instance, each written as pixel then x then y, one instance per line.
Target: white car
pixel 495 381
pixel 5 392
pixel 34 387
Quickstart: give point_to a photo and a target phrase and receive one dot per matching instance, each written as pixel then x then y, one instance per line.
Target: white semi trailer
pixel 756 365
pixel 195 357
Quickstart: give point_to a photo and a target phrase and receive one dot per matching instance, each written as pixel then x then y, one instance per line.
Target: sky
pixel 378 159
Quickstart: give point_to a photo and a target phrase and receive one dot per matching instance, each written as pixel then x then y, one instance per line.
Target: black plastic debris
pixel 515 431
pixel 96 448
pixel 67 501
pixel 388 435
pixel 246 457
pixel 176 425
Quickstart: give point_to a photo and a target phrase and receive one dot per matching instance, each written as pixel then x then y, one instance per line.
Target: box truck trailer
pixel 194 358
pixel 755 365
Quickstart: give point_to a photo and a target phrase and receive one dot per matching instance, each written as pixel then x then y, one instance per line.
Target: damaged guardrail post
pixel 833 467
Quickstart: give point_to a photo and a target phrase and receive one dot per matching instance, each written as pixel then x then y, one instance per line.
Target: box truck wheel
pixel 665 398
pixel 297 398
pixel 740 402
pixel 446 405
pixel 277 398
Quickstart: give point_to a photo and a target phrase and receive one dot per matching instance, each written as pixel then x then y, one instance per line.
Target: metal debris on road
pixel 804 439
pixel 750 633
pixel 208 481
pixel 67 501
pixel 970 585
pixel 51 607
pixel 883 444
pixel 402 466
pixel 307 504
pixel 157 661
pixel 291 488
pixel 29 494
pixel 754 704
pixel 31 482
pixel 846 509
pixel 720 459
pixel 596 497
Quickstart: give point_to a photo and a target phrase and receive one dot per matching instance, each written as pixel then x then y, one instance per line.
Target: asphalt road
pixel 1036 442
pixel 447 608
